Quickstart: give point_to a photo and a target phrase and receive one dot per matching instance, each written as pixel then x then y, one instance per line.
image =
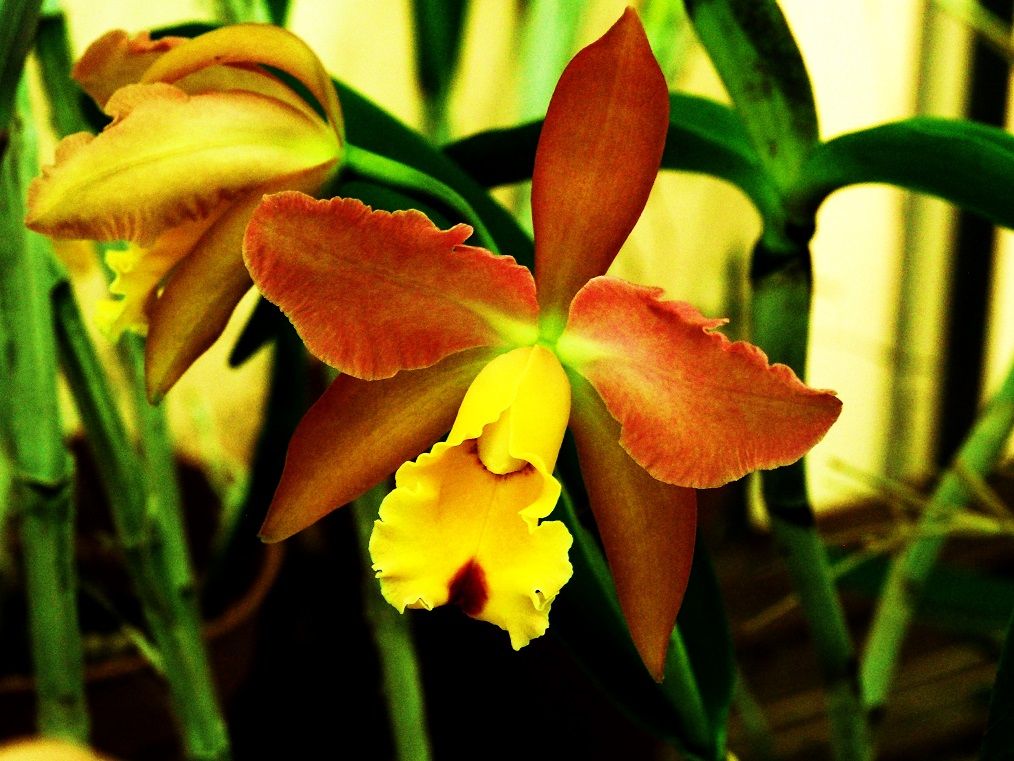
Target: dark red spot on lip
pixel 468 588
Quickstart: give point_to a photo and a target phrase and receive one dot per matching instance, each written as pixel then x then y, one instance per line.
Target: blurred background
pixel 913 325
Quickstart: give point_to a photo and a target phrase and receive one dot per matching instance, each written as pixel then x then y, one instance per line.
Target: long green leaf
pixel 587 619
pixel 498 156
pixel 708 641
pixel 971 165
pixel 757 58
pixel 18 19
pixel 369 126
pixel 709 137
pixel 52 47
pixel 910 569
pixel 704 136
pixel 438 29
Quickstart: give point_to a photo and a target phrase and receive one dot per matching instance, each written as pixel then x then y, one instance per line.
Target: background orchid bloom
pixel 200 132
pixel 432 334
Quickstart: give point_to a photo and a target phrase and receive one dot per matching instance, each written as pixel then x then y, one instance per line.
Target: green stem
pixel 910 569
pixel 680 674
pixel 18 19
pixel 42 469
pixel 755 723
pixel 808 566
pixel 393 639
pixel 394 173
pixel 781 308
pixel 204 720
pixel 52 50
pixel 151 537
pixel 681 718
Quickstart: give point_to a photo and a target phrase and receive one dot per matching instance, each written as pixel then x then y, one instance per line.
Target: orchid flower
pixel 432 334
pixel 200 132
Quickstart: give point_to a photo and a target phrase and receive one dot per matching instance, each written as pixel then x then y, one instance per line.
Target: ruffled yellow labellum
pixel 464 523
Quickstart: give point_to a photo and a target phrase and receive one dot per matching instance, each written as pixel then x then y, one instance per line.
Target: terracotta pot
pixel 128 702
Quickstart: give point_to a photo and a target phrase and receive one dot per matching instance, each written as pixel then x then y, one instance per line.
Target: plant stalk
pixel 679 671
pixel 781 309
pixel 393 638
pixel 911 567
pixel 42 468
pixel 151 537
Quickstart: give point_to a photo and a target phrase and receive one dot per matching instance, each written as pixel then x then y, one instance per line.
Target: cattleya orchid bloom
pixel 200 132
pixel 432 334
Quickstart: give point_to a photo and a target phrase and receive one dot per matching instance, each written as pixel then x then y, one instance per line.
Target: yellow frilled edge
pixel 463 524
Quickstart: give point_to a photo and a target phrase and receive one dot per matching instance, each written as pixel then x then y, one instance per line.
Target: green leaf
pixel 971 165
pixel 498 156
pixel 704 136
pixel 757 58
pixel 265 322
pixel 710 138
pixel 999 738
pixel 669 32
pixel 438 27
pixel 708 641
pixel 52 46
pixel 370 127
pixel 18 19
pixel 279 11
pixel 546 42
pixel 587 619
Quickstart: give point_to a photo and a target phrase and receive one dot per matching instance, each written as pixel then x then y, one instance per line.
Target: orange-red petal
pixel 202 291
pixel 597 158
pixel 359 431
pixel 372 293
pixel 695 408
pixel 197 301
pixel 647 527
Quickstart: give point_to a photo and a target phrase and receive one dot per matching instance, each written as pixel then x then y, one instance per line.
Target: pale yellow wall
pixel 861 76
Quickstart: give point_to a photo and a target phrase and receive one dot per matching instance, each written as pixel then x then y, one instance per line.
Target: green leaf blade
pixel 710 138
pixel 757 58
pixel 971 165
pixel 704 136
pixel 18 20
